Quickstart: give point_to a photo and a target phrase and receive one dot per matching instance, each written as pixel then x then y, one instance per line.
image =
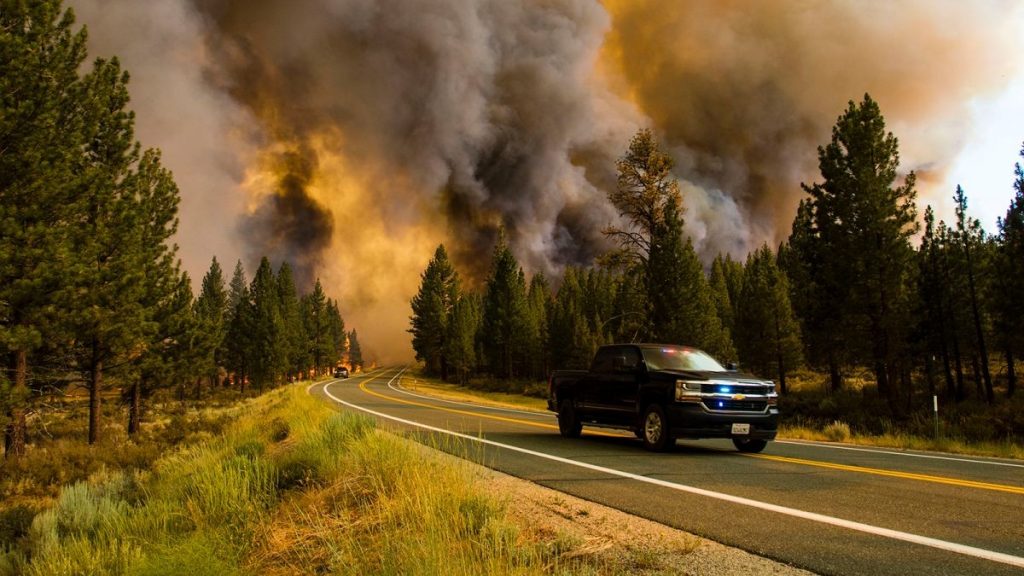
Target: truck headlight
pixel 687 391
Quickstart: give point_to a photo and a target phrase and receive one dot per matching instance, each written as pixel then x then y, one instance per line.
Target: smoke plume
pixel 351 136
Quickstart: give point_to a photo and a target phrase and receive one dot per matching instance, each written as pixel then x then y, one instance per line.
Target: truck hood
pixel 738 377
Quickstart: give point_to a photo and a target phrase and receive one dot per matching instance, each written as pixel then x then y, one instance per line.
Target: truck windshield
pixel 680 358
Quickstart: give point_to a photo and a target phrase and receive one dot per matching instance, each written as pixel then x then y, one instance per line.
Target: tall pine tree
pixel 767 333
pixel 1009 269
pixel 504 312
pixel 42 130
pixel 853 235
pixel 431 310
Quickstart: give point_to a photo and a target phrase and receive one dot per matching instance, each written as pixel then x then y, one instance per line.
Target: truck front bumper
pixel 693 421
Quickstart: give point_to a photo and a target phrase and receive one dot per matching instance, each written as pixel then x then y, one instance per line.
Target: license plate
pixel 741 429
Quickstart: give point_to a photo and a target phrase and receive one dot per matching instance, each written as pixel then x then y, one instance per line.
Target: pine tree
pixel 41 134
pixel 355 351
pixel 1009 269
pixel 644 189
pixel 314 312
pixel 172 355
pixel 858 225
pixel 767 333
pixel 127 204
pixel 538 300
pixel 336 333
pixel 431 309
pixel 504 312
pixel 720 294
pixel 169 333
pixel 933 298
pixel 240 328
pixel 461 336
pixel 571 330
pixel 971 241
pixel 293 331
pixel 681 308
pixel 212 315
pixel 267 341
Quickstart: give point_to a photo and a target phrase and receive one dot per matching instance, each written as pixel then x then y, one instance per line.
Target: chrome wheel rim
pixel 652 427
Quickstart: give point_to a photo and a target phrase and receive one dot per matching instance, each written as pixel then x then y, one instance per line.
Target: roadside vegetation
pixel 278 484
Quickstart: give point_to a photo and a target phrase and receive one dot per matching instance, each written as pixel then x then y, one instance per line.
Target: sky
pixel 985 165
pixel 350 137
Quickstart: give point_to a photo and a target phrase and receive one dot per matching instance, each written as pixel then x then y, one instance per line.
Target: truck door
pixel 594 387
pixel 622 386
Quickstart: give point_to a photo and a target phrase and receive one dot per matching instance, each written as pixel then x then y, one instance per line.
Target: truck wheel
pixel 569 424
pixel 655 430
pixel 749 445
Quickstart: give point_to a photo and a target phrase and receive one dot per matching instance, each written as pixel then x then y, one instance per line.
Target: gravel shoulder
pixel 612 541
pixel 623 543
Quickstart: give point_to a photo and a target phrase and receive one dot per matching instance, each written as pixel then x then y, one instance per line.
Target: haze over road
pixel 829 509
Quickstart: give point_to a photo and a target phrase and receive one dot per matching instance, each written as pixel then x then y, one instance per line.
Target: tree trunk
pixel 835 376
pixel 95 382
pixel 976 372
pixel 990 396
pixel 1011 372
pixel 16 431
pixel 947 371
pixel 961 393
pixel 135 409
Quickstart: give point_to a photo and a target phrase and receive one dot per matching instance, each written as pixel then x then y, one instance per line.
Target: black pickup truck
pixel 663 392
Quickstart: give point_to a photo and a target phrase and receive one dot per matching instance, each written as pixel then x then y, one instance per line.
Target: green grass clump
pixel 837 431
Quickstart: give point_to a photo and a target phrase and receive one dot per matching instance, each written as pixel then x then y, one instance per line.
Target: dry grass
pixel 293 487
pixel 908 442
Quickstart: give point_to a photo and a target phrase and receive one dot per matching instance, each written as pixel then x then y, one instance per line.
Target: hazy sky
pixel 991 149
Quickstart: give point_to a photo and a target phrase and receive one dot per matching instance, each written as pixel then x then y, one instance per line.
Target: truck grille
pixel 732 389
pixel 736 405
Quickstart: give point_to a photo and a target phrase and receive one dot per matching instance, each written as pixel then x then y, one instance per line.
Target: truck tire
pixel 655 431
pixel 749 445
pixel 569 424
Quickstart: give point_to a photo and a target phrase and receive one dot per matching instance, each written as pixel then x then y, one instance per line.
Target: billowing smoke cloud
pixel 490 109
pixel 746 91
pixel 370 130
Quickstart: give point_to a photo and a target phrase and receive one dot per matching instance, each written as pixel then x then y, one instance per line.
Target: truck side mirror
pixel 732 366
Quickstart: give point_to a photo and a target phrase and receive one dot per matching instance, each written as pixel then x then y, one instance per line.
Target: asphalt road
pixel 826 508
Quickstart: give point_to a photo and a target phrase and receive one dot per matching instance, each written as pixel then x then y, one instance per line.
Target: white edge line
pixel 813 517
pixel 895 453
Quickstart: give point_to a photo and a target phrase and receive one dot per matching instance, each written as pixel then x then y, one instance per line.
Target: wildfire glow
pixel 373 262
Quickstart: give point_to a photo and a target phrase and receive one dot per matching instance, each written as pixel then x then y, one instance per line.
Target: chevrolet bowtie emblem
pixel 738 396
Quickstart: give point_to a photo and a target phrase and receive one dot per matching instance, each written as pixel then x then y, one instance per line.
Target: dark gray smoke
pixel 491 108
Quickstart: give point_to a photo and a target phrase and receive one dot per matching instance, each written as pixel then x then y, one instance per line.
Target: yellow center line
pixel 362 386
pixel 785 459
pixel 893 473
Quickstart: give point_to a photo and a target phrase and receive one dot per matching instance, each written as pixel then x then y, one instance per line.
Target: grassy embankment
pixel 282 485
pixel 850 416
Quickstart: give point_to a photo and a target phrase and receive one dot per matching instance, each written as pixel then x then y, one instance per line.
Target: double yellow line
pixel 893 474
pixel 785 459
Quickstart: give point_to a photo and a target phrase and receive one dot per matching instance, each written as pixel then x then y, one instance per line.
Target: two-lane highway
pixel 830 509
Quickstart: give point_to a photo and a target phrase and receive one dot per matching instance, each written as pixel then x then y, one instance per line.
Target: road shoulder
pixel 617 542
